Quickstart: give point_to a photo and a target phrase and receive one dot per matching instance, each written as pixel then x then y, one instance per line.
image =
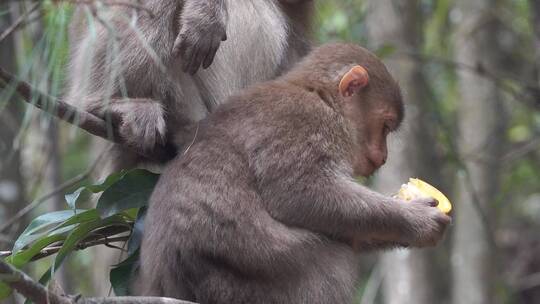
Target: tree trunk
pixel 42 142
pixel 481 123
pixel 11 181
pixel 535 8
pixel 407 279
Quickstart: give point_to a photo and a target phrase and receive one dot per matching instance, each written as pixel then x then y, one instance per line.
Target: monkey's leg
pixel 211 209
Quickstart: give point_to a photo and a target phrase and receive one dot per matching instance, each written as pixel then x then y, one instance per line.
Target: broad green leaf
pixel 71 198
pixel 44 220
pixel 23 257
pixel 47 223
pixel 122 274
pixel 133 190
pixel 107 182
pixel 100 186
pixel 46 277
pixel 135 240
pixel 81 217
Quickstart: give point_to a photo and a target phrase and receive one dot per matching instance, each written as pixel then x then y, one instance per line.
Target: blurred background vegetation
pixel 470 72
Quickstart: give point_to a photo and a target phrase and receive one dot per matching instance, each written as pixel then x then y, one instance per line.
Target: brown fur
pixel 263 208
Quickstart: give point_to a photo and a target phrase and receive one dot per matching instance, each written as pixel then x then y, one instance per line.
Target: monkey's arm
pixel 329 202
pixel 203 26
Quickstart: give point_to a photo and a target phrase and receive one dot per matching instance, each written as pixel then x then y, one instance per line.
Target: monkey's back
pixel 222 245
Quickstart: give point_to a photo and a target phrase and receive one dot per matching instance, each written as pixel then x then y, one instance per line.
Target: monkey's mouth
pixel 367 169
pixel 370 172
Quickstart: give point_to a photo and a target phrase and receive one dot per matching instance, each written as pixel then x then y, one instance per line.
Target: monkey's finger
pixel 204 49
pixel 211 54
pixel 427 201
pixel 180 45
pixel 176 47
pixel 197 54
pixel 187 57
pixel 444 219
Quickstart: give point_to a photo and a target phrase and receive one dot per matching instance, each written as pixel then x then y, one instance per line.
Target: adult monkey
pixel 143 70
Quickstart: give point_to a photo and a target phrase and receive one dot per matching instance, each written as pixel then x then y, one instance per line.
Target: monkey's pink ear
pixel 353 81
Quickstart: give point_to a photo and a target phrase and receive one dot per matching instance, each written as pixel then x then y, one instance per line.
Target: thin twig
pixel 20 21
pixel 527 94
pixel 60 189
pixel 521 150
pixel 38 294
pixel 528 282
pixel 24 284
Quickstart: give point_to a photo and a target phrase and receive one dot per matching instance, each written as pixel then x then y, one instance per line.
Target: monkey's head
pixel 361 87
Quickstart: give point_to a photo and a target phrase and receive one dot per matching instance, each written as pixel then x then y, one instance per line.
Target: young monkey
pixel 264 208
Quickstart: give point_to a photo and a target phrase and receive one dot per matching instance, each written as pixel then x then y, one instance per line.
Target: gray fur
pixel 137 60
pixel 263 207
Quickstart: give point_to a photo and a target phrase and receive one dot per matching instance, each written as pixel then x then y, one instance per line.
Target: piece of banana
pixel 417 188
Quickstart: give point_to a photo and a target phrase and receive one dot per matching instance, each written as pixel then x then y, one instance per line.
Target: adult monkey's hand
pixel 202 29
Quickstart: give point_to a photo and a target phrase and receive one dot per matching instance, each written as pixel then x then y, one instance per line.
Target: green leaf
pixel 133 190
pixel 100 186
pixel 5 291
pixel 23 257
pixel 81 217
pixel 80 233
pixel 121 276
pixel 46 277
pixel 47 223
pixel 71 198
pixel 135 240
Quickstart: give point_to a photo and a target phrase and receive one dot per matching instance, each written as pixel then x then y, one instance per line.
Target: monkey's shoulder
pixel 274 101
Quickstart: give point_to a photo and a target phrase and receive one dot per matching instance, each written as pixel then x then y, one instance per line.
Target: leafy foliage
pixel 121 204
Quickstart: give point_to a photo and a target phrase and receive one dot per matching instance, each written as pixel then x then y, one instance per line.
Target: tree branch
pixel 38 294
pixel 21 282
pixel 82 119
pixel 20 21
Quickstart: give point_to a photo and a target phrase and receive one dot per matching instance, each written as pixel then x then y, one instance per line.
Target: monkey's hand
pixel 201 33
pixel 424 223
pixel 140 122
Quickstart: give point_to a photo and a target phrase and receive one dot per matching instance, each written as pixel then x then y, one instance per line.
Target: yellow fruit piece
pixel 418 188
